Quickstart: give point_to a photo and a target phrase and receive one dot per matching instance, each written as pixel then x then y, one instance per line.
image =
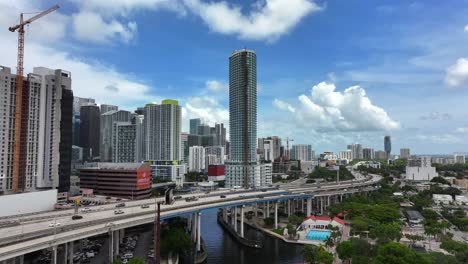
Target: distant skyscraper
pixel 405 153
pixel 301 152
pixel 347 155
pixel 242 168
pixel 388 146
pixel 123 142
pixel 194 124
pixel 357 151
pixel 214 155
pixel 204 130
pixel 196 158
pixel 162 130
pixel 107 108
pixel 139 137
pixel 77 103
pixel 269 148
pixel 368 153
pixel 459 158
pixel 107 121
pixel 90 117
pixel 184 148
pixel 220 132
pixel 381 155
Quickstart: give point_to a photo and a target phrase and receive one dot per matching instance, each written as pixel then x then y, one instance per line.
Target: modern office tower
pixel 77 154
pixel 140 111
pixel 29 151
pixel 107 121
pixel 162 130
pixel 90 117
pixel 55 130
pixel 184 148
pixel 107 108
pixel 345 155
pixel 357 150
pixel 368 153
pixel 388 146
pixel 302 152
pixel 194 124
pixel 196 158
pixel 139 138
pixel 405 153
pixel 204 130
pixel 123 142
pixel 242 168
pixel 77 103
pixel 214 155
pixel 220 132
pixel 459 158
pixel 380 154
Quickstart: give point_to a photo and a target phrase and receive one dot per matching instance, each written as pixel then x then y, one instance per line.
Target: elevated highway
pixel 28 233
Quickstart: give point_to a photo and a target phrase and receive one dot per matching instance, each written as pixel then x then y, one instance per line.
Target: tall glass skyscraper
pixel 242 168
pixel 387 146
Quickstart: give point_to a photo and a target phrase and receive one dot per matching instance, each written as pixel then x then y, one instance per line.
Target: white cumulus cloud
pixel 283 105
pixel 466 28
pixel 91 26
pixel 269 19
pixel 462 130
pixel 208 109
pixel 457 74
pixel 351 110
pixel 216 86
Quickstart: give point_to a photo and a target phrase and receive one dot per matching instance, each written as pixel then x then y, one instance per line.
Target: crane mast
pixel 16 184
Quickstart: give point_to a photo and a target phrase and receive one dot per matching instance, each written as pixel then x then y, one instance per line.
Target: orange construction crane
pixel 19 94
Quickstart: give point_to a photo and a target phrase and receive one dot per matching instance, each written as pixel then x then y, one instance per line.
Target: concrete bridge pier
pixel 198 232
pixel 309 206
pixel 121 235
pixel 242 221
pixel 116 242
pixel 70 252
pixel 276 215
pixel 194 227
pixel 111 246
pixel 267 209
pixel 235 218
pixel 54 254
pixel 289 207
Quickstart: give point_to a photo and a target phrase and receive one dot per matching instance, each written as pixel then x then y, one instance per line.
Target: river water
pixel 222 248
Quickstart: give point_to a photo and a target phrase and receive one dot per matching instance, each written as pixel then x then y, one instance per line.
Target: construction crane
pixel 19 93
pixel 287 147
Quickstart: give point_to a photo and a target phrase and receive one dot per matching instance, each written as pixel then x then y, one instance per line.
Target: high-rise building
pixel 381 155
pixel 346 155
pixel 90 117
pixel 55 130
pixel 214 155
pixel 269 148
pixel 139 137
pixel 368 153
pixel 388 146
pixel 204 130
pixel 302 152
pixel 162 130
pixel 77 103
pixel 29 151
pixel 194 124
pixel 420 169
pixel 405 153
pixel 107 108
pixel 123 142
pixel 196 158
pixel 106 123
pixel 357 151
pixel 220 132
pixel 242 168
pixel 459 158
pixel 184 148
pixel 46 125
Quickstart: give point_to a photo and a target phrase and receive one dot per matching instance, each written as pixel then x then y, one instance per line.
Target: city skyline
pixel 410 101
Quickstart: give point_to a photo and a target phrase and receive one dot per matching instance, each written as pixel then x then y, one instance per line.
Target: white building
pixel 420 170
pixel 197 158
pixel 214 155
pixel 346 154
pixel 357 151
pixel 442 198
pixel 459 158
pixel 368 153
pixel 106 137
pixel 258 175
pixel 139 138
pixel 162 130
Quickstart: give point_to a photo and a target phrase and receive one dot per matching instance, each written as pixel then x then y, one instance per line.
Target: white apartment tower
pixel 196 158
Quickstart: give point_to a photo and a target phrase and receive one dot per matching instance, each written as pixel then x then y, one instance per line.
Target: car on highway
pixel 118 212
pixel 109 224
pixel 76 217
pixel 260 196
pixel 120 205
pixel 145 206
pixel 86 209
pixel 54 224
pixel 178 197
pixel 222 196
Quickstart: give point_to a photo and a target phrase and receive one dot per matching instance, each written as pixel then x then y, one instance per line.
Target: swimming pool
pixel 321 235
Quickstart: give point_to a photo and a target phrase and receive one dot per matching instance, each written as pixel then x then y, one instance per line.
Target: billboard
pixel 143 179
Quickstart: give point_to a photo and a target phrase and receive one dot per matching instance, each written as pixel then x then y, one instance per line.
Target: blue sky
pixel 330 73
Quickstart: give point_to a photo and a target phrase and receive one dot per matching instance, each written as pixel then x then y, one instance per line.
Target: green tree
pixel 386 232
pixel 136 261
pixel 459 249
pixel 353 248
pixel 269 221
pixel 175 240
pixel 324 257
pixel 429 214
pixel 291 231
pixel 310 253
pixel 295 220
pixel 440 180
pixel 396 253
